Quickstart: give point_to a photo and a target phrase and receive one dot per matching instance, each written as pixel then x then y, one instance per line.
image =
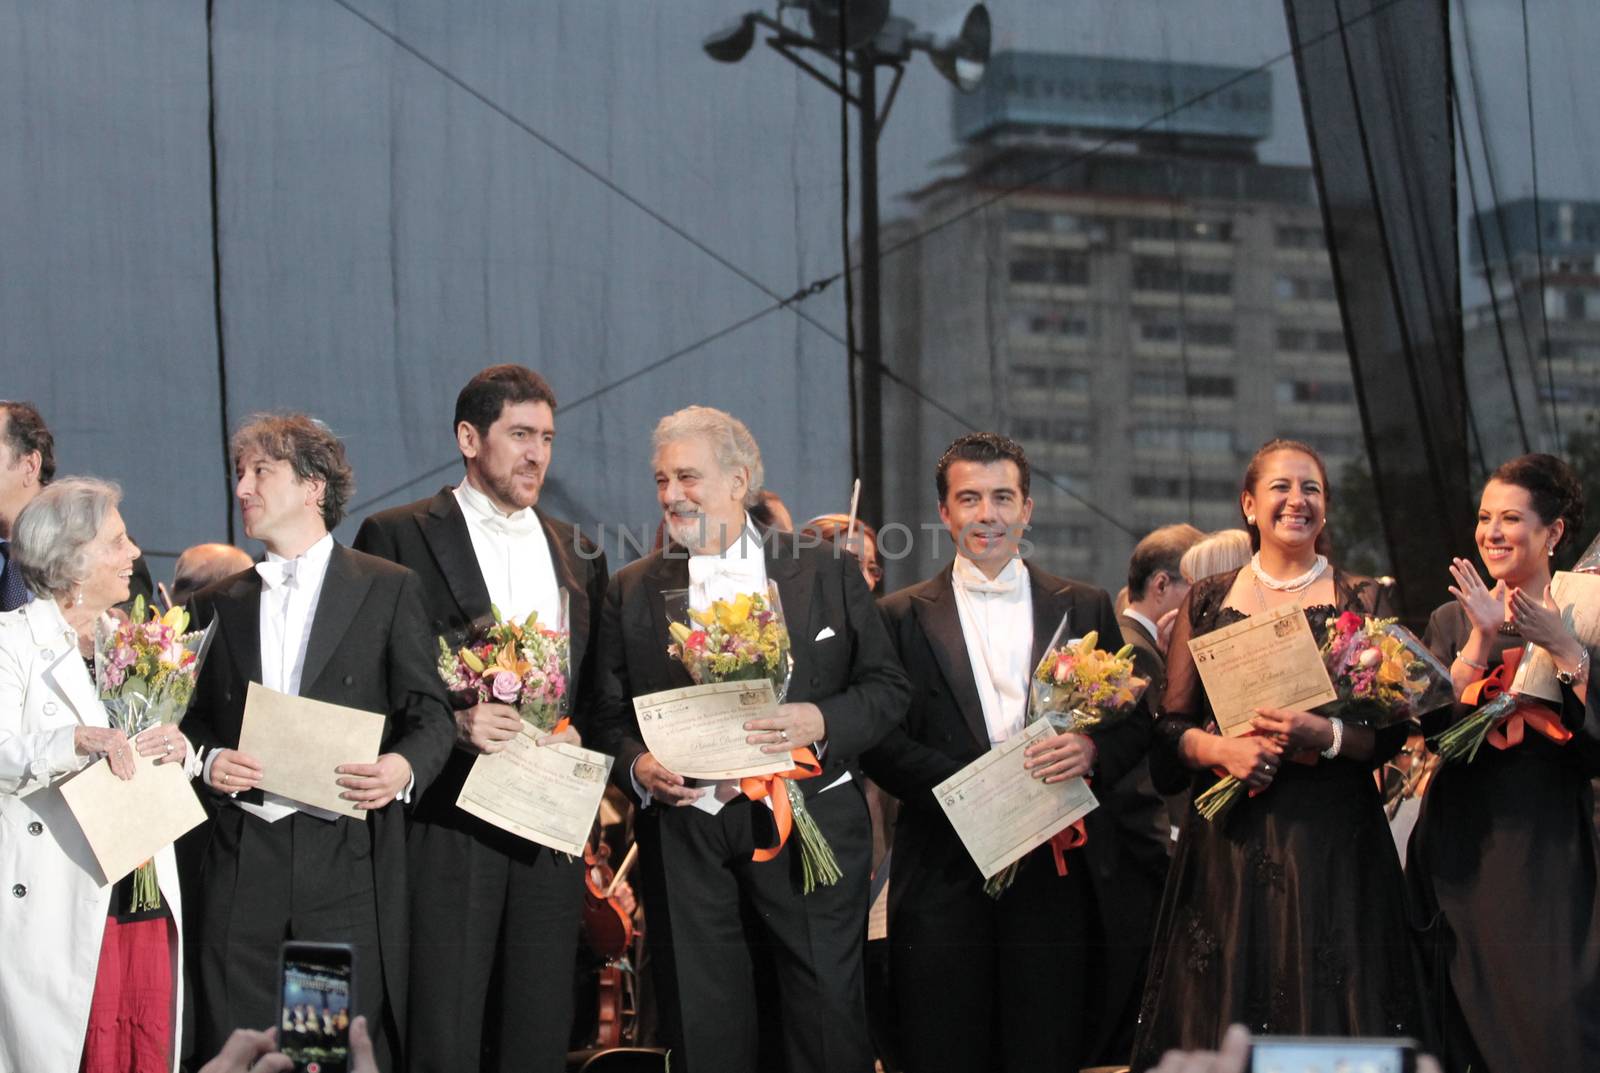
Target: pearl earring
pixel 1249 519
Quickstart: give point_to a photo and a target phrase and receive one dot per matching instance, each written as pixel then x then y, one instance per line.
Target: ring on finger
pixel 783 735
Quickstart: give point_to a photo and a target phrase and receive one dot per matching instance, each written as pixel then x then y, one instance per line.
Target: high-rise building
pixel 1141 306
pixel 1532 349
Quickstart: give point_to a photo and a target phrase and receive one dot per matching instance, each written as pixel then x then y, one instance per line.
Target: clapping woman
pixel 1502 862
pixel 1286 914
pixel 85 987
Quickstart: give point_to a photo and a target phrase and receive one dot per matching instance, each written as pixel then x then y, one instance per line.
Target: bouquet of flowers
pixel 1078 688
pixel 145 669
pixel 745 640
pixel 1383 675
pixel 1382 672
pixel 523 664
pixel 738 640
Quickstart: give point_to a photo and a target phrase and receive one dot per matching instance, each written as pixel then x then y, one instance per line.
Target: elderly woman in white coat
pixel 84 987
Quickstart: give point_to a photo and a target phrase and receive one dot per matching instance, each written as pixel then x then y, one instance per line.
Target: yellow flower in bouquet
pixel 1080 686
pixel 734 640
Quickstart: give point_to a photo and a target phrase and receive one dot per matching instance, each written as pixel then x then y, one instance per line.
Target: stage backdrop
pixel 382 232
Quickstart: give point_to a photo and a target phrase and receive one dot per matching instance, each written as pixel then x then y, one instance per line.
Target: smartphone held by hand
pixel 317 985
pixel 1305 1054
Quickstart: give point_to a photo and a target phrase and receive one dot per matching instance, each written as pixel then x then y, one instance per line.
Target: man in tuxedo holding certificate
pixel 317 620
pixel 709 903
pixel 484 901
pixel 985 983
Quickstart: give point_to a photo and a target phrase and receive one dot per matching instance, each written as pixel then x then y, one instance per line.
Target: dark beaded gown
pixel 1288 914
pixel 1502 874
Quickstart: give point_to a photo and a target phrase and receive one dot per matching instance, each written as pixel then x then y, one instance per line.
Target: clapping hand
pixel 1485 607
pixel 1539 620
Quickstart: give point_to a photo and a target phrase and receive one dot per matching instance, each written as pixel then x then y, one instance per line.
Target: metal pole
pixel 869 367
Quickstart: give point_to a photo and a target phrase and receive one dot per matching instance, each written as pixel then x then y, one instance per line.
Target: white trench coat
pixel 53 902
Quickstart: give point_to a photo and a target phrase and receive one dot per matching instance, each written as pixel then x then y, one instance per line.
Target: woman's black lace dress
pixel 1502 867
pixel 1289 913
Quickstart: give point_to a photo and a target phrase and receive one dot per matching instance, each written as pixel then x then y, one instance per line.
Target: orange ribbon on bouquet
pixel 756 787
pixel 1509 731
pixel 1068 838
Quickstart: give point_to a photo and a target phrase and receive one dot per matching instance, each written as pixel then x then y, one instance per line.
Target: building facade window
pixel 1315 391
pixel 1051 323
pixel 1304 288
pixel 1064 267
pixel 1154 274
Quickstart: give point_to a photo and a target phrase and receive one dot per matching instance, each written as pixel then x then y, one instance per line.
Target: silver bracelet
pixel 1338 738
pixel 1474 664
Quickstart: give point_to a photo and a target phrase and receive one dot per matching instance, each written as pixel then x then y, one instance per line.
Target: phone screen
pixel 314 1027
pixel 1268 1055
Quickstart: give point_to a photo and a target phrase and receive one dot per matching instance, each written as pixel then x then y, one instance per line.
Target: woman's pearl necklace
pixel 1294 584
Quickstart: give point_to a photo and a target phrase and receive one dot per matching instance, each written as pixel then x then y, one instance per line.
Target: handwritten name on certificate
pixel 698 731
pixel 547 795
pixel 1269 660
pixel 1001 811
pixel 1578 597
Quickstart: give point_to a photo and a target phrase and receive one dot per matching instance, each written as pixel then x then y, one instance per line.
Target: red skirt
pixel 130 1018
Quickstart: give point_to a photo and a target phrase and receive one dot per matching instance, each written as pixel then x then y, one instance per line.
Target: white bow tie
pixel 520 524
pixel 972 580
pixel 746 575
pixel 279 574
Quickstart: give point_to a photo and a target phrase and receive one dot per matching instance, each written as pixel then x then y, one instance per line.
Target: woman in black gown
pixel 1288 913
pixel 1502 860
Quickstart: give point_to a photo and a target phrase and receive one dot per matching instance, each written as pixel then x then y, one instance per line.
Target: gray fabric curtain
pixel 1378 113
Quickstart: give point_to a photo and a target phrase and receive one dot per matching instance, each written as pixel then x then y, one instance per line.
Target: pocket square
pixel 827 632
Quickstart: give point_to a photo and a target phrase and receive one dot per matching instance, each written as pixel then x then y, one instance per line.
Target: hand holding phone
pixel 317 985
pixel 1306 1054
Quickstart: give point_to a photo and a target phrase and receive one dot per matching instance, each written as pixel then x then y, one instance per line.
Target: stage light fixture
pixel 731 43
